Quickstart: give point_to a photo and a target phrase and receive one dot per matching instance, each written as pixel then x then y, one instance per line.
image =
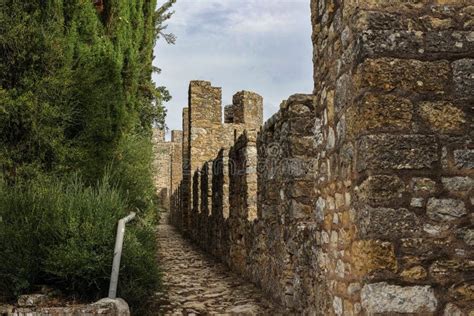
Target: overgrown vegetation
pixel 61 233
pixel 77 104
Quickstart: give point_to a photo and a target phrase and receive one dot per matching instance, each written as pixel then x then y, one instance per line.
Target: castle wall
pixel 166 165
pixel 182 217
pixel 406 116
pixel 356 199
pixel 207 136
pixel 161 166
pixel 176 169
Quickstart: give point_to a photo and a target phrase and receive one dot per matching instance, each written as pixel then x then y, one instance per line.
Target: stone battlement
pixel 205 135
pixel 167 164
pixel 357 198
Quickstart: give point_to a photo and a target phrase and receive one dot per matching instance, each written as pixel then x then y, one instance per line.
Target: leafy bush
pixel 75 91
pixel 74 81
pixel 62 233
pixel 132 171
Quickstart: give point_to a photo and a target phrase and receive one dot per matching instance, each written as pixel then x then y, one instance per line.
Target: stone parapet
pixel 357 198
pixel 106 307
pixel 167 164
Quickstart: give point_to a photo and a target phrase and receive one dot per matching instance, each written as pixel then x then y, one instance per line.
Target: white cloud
pixel 259 45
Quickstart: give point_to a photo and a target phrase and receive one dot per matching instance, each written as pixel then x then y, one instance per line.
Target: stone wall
pixel 356 199
pixel 167 164
pixel 402 110
pixel 204 137
pixel 41 305
pixel 176 162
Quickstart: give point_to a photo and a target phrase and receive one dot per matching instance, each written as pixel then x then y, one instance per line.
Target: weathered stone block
pixel 229 114
pixel 458 184
pixel 298 210
pixel 417 250
pixel 369 21
pixel 205 107
pixel 381 190
pixel 414 274
pixel 116 306
pixel 176 136
pixel 463 73
pixel 469 237
pixel 452 310
pixel 397 152
pixel 423 185
pixel 343 93
pixel 381 113
pixel 387 223
pixel 370 255
pixel 404 74
pixel 417 202
pixel 464 158
pixel 337 305
pixel 32 300
pixel 303 126
pixel 398 6
pixel 464 292
pixel 330 139
pixel 106 307
pixel 416 44
pixel 300 189
pixel 435 116
pixel 247 108
pixel 300 146
pixel 385 298
pixel 445 209
pixel 320 209
pixel 447 271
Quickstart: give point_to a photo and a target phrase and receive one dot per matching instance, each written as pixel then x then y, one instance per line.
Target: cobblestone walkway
pixel 197 285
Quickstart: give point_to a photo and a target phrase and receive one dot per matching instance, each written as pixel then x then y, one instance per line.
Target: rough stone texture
pixel 196 284
pixel 31 306
pixel 117 307
pixel 364 184
pixel 32 300
pixel 166 164
pixel 385 298
pixel 445 209
pixel 205 139
pixel 458 184
pixel 397 152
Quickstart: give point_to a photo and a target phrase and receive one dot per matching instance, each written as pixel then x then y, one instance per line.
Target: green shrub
pixel 73 82
pixel 132 171
pixel 62 233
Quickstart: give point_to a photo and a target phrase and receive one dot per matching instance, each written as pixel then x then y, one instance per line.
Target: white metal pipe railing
pixel 118 254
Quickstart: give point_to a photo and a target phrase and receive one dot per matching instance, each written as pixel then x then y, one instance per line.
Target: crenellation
pixel 358 193
pixel 229 114
pixel 176 136
pixel 176 168
pixel 158 135
pixel 247 109
pixel 183 223
pixel 204 104
pixel 167 165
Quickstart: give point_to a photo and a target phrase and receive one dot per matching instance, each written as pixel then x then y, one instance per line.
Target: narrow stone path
pixel 195 284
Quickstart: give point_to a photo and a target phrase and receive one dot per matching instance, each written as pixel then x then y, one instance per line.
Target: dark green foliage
pixel 61 233
pixel 77 102
pixel 73 82
pixel 34 88
pixel 132 172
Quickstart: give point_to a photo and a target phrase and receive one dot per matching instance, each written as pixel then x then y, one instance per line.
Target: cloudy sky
pixel 258 45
